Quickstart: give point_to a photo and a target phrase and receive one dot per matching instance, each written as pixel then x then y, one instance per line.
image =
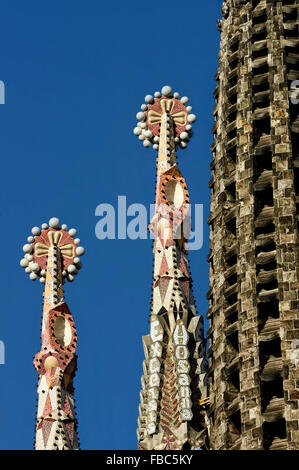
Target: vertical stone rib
pixel 284 15
pixel 223 296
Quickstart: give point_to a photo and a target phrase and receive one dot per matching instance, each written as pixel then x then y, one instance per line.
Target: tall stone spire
pixel 173 388
pixel 52 255
pixel 254 257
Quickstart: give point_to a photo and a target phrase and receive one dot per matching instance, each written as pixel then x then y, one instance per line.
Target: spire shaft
pixel 56 427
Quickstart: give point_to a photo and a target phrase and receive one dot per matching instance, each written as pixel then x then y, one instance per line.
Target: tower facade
pixel 254 258
pixel 173 392
pixel 52 255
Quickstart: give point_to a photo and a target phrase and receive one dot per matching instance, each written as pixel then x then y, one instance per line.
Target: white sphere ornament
pixel 157 94
pixel 148 134
pixel 45 226
pixel 185 99
pixel 183 145
pixel 143 107
pixel 43 272
pixel 54 222
pixel 76 260
pixel 28 256
pixel 64 273
pixel 141 137
pixel 35 231
pixel 70 277
pixel 71 268
pixel 156 139
pixel 184 135
pixel 156 147
pixel 80 251
pixel 149 99
pixel 30 239
pixel 33 276
pixel 189 109
pixel 137 131
pixel 191 118
pixel 72 232
pixel 188 127
pixel 176 95
pixel 140 116
pixel 77 241
pixel 34 267
pixel 42 280
pixel 24 263
pixel 143 125
pixel 177 140
pixel 27 270
pixel 147 143
pixel 64 227
pixel 27 248
pixel 166 91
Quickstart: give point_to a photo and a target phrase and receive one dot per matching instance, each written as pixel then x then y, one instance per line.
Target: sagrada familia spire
pixel 254 242
pixel 173 388
pixel 247 397
pixel 52 255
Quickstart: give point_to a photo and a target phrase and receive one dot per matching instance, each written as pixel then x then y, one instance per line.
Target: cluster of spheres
pixel 142 130
pixel 31 263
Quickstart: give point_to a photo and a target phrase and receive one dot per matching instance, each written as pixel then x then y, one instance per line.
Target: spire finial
pixel 39 246
pixel 151 117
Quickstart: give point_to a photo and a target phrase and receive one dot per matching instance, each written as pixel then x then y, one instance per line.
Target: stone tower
pixel 173 393
pixel 51 255
pixel 254 258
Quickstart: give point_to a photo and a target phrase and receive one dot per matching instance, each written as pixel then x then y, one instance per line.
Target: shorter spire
pixel 52 255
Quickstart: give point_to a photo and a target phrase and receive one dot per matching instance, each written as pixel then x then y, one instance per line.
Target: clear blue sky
pixel 76 73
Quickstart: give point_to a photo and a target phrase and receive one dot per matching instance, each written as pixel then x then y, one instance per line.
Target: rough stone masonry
pixel 254 258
